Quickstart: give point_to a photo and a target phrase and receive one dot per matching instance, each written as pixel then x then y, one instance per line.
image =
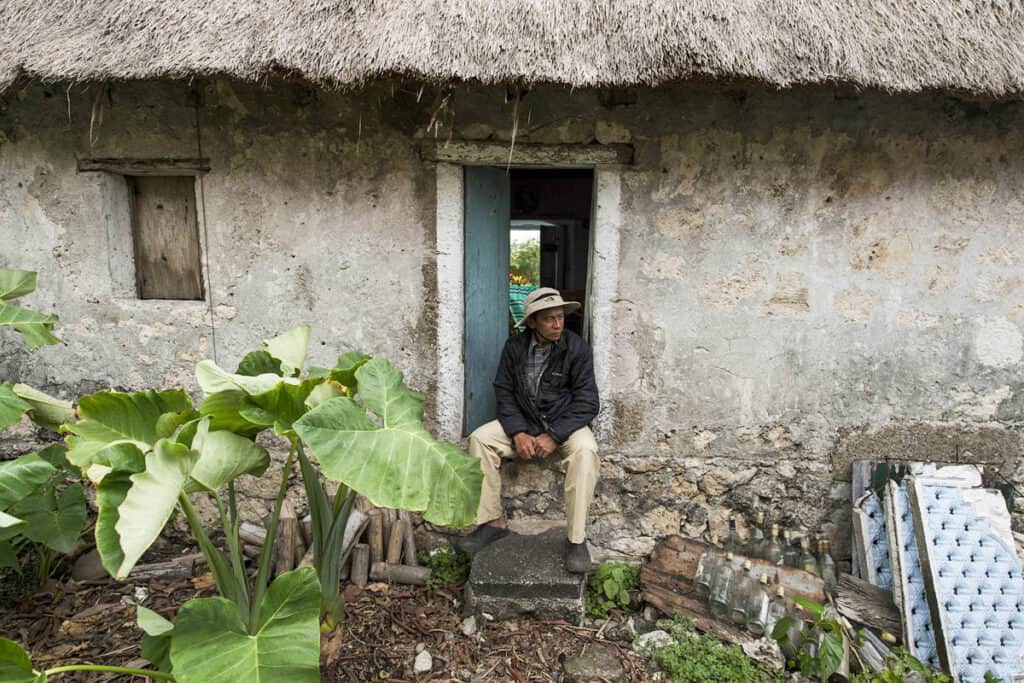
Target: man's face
pixel 548 324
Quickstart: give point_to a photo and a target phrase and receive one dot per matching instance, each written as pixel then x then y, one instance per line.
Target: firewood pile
pixel 379 545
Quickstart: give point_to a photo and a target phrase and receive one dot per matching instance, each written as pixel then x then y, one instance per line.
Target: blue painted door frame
pixel 486 240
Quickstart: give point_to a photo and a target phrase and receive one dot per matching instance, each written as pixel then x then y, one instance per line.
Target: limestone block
pixel 598 664
pixel 574 130
pixel 660 522
pixel 718 481
pixel 474 131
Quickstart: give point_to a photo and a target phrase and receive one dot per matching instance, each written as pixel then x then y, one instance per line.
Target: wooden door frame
pixel 607 163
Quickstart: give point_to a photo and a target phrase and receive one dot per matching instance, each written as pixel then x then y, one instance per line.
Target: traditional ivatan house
pixel 797 228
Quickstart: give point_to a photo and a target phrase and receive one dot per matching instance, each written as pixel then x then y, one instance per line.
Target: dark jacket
pixel 567 395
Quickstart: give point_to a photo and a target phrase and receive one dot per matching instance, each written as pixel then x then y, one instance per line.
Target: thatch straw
pixel 971 46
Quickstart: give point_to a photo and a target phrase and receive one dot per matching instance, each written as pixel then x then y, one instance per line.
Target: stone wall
pixel 806 277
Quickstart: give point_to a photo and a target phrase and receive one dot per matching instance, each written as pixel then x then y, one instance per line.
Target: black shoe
pixel 577 558
pixel 483 536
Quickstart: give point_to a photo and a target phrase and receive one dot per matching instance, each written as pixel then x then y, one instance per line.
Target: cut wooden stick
pixel 409 542
pixel 395 543
pixel 360 564
pixel 376 538
pixel 300 547
pixel 253 534
pixel 179 568
pixel 287 533
pixel 399 573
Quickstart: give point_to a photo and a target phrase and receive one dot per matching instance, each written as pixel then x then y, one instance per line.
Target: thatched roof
pixel 969 46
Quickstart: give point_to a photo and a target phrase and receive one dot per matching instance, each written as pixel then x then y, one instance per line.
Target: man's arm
pixel 511 418
pixel 583 408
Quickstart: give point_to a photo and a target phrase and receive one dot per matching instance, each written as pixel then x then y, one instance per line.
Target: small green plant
pixel 610 586
pixel 899 665
pixel 447 565
pixel 698 658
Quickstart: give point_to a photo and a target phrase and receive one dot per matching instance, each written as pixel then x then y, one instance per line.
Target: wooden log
pixel 866 604
pixel 396 540
pixel 399 573
pixel 300 547
pixel 409 542
pixel 287 533
pixel 376 536
pixel 168 166
pixel 676 557
pixel 251 551
pixel 253 534
pixel 307 559
pixel 306 527
pixel 179 568
pixel 357 522
pixel 670 602
pixel 360 564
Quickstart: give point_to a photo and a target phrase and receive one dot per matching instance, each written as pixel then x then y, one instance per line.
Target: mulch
pixel 385 627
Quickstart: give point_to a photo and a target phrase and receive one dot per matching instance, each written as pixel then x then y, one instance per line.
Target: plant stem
pixel 232 504
pixel 227 585
pixel 159 675
pixel 237 563
pixel 263 572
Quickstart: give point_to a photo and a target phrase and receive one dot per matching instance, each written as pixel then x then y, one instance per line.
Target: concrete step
pixel 524 576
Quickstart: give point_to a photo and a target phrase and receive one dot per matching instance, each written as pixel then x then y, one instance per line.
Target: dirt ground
pixel 385 627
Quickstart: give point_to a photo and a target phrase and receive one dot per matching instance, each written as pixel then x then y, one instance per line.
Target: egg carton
pixel 871 540
pixel 972 578
pixel 908 589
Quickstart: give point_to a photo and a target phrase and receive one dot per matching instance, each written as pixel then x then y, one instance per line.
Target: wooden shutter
pixel 166 237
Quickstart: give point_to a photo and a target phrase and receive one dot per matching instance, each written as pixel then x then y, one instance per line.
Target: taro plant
pixel 149 453
pixel 42 505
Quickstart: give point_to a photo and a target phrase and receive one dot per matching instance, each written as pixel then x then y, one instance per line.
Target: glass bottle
pixel 733 544
pixel 757 607
pixel 808 562
pixel 758 539
pixel 776 610
pixel 773 551
pixel 706 567
pixel 739 596
pixel 794 634
pixel 790 551
pixel 721 585
pixel 826 566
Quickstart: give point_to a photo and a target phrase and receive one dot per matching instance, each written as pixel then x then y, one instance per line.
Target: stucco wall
pixel 805 277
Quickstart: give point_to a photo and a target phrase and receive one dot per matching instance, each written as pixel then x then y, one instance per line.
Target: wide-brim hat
pixel 543 298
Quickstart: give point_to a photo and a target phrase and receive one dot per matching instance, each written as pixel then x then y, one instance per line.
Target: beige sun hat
pixel 543 298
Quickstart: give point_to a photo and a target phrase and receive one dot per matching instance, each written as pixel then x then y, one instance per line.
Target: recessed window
pixel 165 235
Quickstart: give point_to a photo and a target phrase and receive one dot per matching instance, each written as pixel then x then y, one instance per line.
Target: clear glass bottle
pixel 827 566
pixel 706 567
pixel 733 544
pixel 773 550
pixel 808 562
pixel 758 539
pixel 757 607
pixel 777 609
pixel 721 585
pixel 790 550
pixel 739 596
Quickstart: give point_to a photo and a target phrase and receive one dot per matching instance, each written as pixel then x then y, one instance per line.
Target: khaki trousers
pixel 490 444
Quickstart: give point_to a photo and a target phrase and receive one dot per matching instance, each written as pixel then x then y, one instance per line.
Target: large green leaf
pixel 290 348
pixel 280 407
pixel 8 556
pixel 12 406
pixel 15 665
pixel 53 519
pixel 15 283
pixel 211 645
pixel 110 417
pixel 35 328
pixel 399 465
pixel 151 500
pixel 265 400
pixel 259 363
pixel 10 526
pixel 223 408
pixel 223 457
pixel 344 371
pixel 213 379
pixel 21 477
pixel 45 410
pixel 110 493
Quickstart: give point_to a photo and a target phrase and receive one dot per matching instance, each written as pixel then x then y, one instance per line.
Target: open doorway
pixel 549 236
pixel 523 229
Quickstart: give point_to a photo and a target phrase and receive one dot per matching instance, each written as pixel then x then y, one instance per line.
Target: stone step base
pixel 525 577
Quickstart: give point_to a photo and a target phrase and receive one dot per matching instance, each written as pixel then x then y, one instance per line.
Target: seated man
pixel 547 398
